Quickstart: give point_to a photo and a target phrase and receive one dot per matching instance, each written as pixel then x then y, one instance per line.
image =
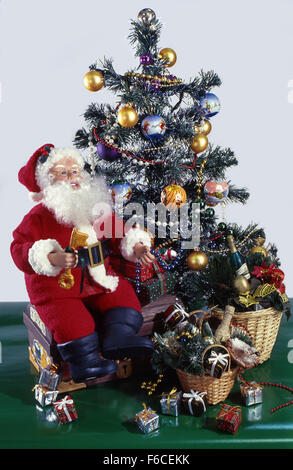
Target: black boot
pixel 84 359
pixel 119 339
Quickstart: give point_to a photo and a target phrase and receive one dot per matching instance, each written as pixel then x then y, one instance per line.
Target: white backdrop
pixel 46 48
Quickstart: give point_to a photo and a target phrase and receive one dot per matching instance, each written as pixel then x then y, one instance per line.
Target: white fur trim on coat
pixel 133 236
pixel 38 257
pixel 98 273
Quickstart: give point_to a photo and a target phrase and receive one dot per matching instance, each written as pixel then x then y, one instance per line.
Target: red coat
pixel 38 234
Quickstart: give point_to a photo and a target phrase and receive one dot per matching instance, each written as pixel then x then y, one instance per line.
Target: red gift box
pixel 229 418
pixel 131 270
pixel 65 410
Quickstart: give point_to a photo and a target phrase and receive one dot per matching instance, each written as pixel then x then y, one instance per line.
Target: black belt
pixel 91 255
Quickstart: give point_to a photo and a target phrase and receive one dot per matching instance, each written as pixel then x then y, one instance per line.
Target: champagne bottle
pixel 237 260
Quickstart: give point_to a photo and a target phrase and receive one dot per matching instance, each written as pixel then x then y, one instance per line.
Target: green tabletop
pixel 106 411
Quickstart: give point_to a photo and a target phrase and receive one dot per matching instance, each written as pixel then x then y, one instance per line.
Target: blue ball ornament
pixel 121 191
pixel 210 105
pixel 153 127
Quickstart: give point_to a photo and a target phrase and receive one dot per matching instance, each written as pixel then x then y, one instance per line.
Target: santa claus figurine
pixel 69 198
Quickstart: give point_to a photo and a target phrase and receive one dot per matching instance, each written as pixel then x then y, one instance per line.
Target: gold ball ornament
pixel 173 196
pixel 169 55
pixel 93 80
pixel 199 143
pixel 197 260
pixel 127 116
pixel 204 128
pixel 241 284
pixel 259 249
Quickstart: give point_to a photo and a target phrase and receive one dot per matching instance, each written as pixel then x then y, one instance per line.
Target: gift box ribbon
pixel 170 396
pixel 216 358
pixel 145 415
pixel 253 387
pixel 230 413
pixel 42 387
pixel 197 396
pixel 62 405
pixel 178 308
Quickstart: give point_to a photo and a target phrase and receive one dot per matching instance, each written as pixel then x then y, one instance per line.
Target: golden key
pixel 66 279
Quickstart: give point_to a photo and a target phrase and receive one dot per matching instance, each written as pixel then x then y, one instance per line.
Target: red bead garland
pixel 131 155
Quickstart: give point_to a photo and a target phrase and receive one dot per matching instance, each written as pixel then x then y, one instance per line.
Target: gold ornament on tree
pixel 93 80
pixel 197 260
pixel 199 143
pixel 203 128
pixel 169 55
pixel 127 116
pixel 173 196
pixel 259 248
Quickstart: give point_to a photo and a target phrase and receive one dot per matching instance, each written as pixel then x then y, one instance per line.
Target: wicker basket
pixel 217 389
pixel 262 325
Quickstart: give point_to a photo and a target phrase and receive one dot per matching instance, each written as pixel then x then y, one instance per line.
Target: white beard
pixel 79 208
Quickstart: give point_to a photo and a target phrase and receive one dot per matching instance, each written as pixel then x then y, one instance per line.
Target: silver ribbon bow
pixel 195 396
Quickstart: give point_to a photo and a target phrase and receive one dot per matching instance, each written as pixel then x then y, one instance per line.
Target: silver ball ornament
pixel 146 16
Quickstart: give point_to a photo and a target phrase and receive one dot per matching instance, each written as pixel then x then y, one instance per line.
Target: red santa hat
pixel 35 174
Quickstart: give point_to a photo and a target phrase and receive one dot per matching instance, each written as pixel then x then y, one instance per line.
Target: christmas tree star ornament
pixel 93 80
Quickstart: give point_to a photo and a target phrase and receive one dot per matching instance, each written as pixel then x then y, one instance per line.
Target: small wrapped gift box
pixel 150 290
pixel 50 377
pixel 44 396
pixel 174 315
pixel 65 410
pixel 147 420
pixel 170 402
pixel 229 418
pixel 194 403
pixel 216 360
pixel 251 393
pixel 132 270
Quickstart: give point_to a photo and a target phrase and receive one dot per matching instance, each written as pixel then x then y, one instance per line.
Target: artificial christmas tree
pixel 160 134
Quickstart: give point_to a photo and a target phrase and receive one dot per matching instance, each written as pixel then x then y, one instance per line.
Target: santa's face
pixel 66 169
pixel 71 193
